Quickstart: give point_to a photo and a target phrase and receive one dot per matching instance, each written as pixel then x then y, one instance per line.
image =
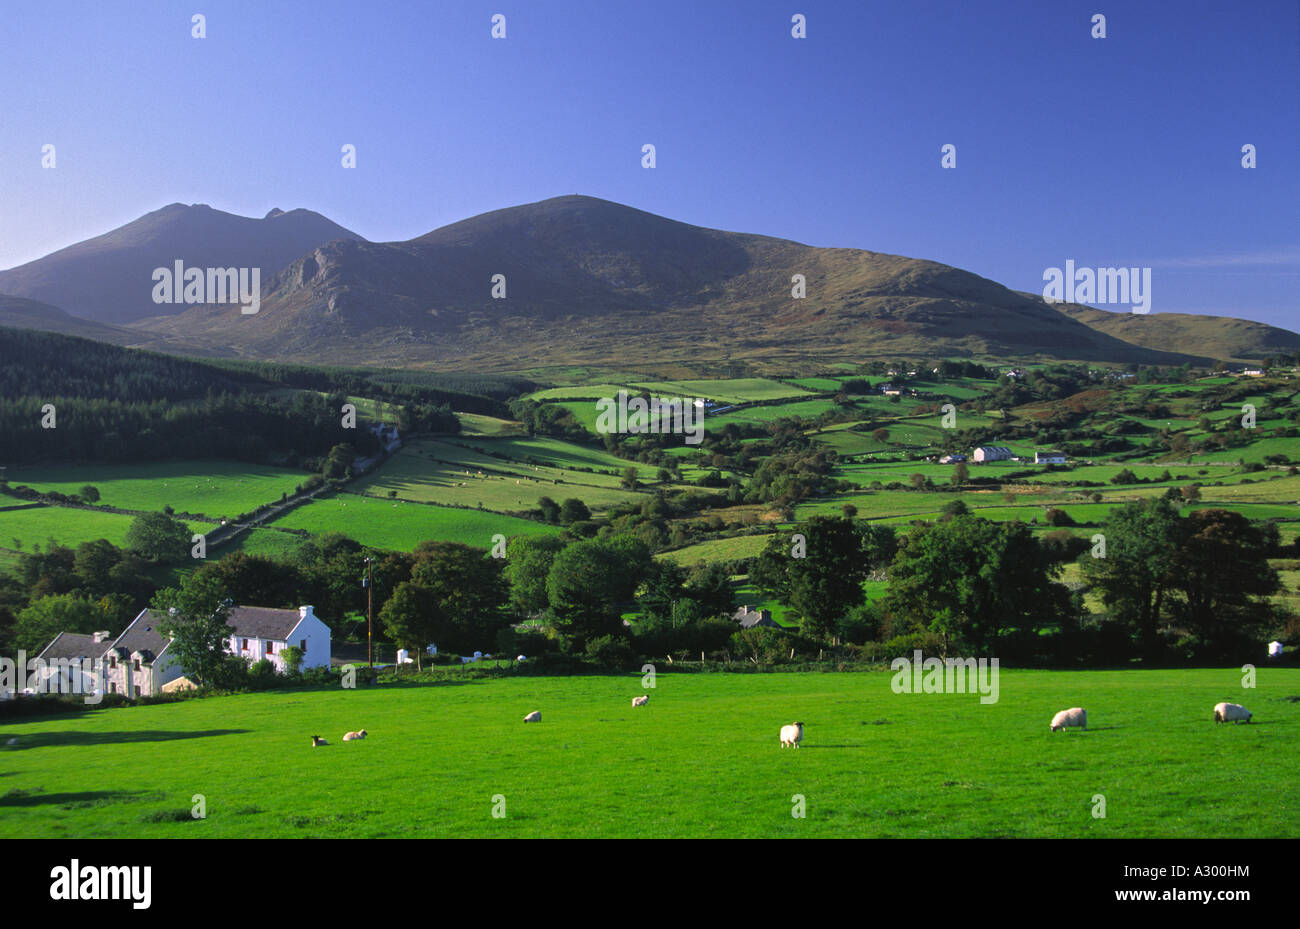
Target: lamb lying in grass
pixel 534 717
pixel 641 700
pixel 1075 716
pixel 353 736
pixel 1230 713
pixel 317 741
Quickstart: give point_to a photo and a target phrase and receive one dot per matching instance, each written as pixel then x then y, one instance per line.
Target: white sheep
pixel 317 741
pixel 1075 716
pixel 1230 713
pixel 534 717
pixel 792 735
pixel 353 736
pixel 641 700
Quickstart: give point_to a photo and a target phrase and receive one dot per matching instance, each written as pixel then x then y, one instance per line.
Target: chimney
pixel 304 612
pixel 102 636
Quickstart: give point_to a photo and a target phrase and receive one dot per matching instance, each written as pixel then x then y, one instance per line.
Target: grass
pixel 701 759
pixel 435 472
pixel 732 390
pixel 214 488
pixel 69 526
pixel 401 525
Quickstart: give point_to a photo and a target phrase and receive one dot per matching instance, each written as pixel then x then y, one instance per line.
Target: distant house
pixel 1253 372
pixel 951 459
pixel 138 663
pixel 992 453
pixel 1049 458
pixel 749 618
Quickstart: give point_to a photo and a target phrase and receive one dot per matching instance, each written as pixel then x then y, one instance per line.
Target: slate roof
pixel 73 645
pixel 260 622
pixel 141 636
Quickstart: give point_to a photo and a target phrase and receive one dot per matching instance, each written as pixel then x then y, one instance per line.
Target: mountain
pixel 22 313
pixel 108 279
pixel 1219 337
pixel 590 281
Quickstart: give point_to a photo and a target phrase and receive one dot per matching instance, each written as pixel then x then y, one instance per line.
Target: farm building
pixel 951 459
pixel 137 662
pixel 992 453
pixel 749 618
pixel 1049 458
pixel 62 665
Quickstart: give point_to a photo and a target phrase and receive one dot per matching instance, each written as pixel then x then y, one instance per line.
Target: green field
pixel 68 526
pixel 733 390
pixel 218 489
pixel 701 759
pixel 401 525
pixel 447 472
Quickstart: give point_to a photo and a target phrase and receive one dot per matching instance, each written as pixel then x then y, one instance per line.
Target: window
pixel 244 647
pixel 112 661
pixel 303 645
pixel 270 647
pixel 112 688
pixel 137 664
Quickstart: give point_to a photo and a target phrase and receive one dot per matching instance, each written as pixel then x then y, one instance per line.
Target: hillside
pixel 1220 337
pixel 108 278
pixel 589 280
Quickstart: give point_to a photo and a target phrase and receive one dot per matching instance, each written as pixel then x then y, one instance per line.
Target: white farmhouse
pixel 991 453
pixel 1049 458
pixel 138 662
pixel 66 665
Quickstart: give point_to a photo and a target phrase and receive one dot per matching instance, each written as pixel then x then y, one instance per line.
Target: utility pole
pixel 370 599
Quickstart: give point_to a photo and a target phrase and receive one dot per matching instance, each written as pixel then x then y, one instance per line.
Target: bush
pixel 613 652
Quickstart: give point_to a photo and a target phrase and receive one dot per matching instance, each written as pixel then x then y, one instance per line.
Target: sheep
pixel 1230 713
pixel 641 700
pixel 353 736
pixel 534 717
pixel 792 735
pixel 1075 716
pixel 317 741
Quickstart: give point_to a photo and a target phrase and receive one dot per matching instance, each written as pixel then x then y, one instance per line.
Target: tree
pixel 825 582
pixel 469 590
pixel 412 618
pixel 159 537
pixel 880 435
pixel 973 582
pixel 550 509
pixel 588 582
pixel 45 618
pixel 1223 581
pixel 960 474
pixel 1135 576
pixel 574 510
pixel 292 656
pixel 528 562
pixel 629 481
pixel 193 616
pixel 89 493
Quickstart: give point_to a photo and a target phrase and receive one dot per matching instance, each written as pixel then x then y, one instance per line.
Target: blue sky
pixel 1117 151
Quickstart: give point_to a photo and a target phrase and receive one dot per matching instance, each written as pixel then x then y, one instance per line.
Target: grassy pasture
pixel 402 525
pixel 213 488
pixel 504 485
pixel 69 526
pixel 701 759
pixel 733 390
